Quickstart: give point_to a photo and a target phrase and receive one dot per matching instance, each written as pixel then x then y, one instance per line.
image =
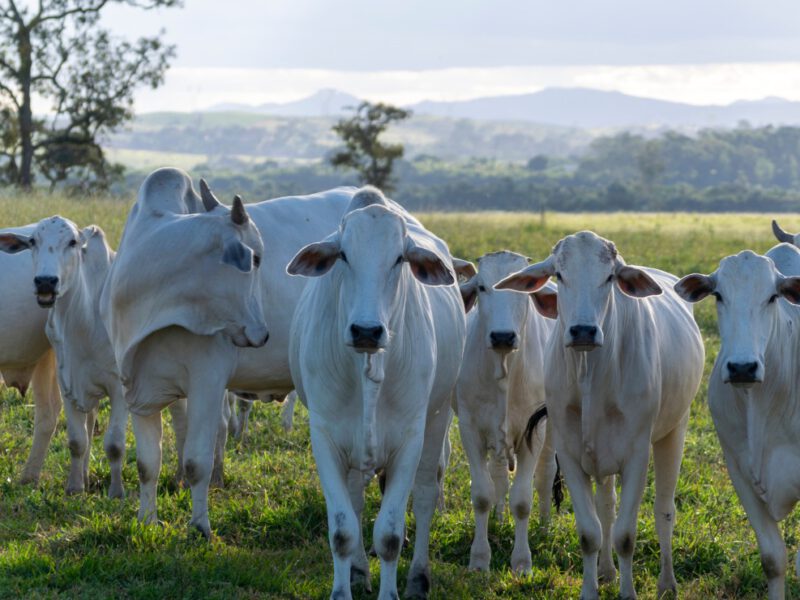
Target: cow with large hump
pixel 68 271
pixel 754 389
pixel 376 344
pixel 26 357
pixel 180 299
pixel 623 365
pixel 500 386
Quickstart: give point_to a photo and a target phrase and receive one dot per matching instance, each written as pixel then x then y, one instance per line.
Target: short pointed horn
pixel 210 201
pixel 238 213
pixel 781 234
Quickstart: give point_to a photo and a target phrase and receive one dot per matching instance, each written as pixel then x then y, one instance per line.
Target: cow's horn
pixel 210 201
pixel 238 213
pixel 781 234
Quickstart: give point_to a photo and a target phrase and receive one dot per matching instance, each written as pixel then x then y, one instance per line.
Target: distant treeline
pixel 744 169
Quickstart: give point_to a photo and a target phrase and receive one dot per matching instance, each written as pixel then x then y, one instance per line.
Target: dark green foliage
pixel 58 52
pixel 371 158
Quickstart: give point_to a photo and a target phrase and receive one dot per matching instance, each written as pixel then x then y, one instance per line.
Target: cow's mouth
pixel 583 346
pixel 46 299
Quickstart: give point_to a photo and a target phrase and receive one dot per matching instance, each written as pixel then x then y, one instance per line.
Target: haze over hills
pixel 571 107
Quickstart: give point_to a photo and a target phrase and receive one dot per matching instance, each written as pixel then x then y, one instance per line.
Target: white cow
pixel 25 354
pixel 376 344
pixel 68 271
pixel 754 390
pixel 182 288
pixel 501 384
pixel 623 366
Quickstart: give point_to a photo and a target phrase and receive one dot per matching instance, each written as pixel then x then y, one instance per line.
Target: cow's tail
pixel 558 480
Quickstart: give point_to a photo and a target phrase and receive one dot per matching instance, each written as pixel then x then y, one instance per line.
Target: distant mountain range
pixel 572 107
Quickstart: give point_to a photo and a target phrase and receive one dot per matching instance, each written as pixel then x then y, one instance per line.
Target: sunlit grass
pixel 269 521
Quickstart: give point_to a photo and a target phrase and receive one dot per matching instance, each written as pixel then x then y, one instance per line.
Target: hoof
pixel 74 490
pixel 419 583
pixel 28 479
pixel 202 529
pixel 669 590
pixel 116 492
pixel 607 574
pixel 522 567
pixel 358 575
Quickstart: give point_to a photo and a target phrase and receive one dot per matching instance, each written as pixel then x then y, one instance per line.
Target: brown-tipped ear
pixel 469 293
pixel 780 234
pixel 210 201
pixel 14 242
pixel 315 259
pixel 464 269
pixel 546 302
pixel 238 213
pixel 636 283
pixel 528 279
pixel 426 266
pixel 789 288
pixel 694 287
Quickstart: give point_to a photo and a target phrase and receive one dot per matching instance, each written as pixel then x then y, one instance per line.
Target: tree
pixel 55 52
pixel 363 151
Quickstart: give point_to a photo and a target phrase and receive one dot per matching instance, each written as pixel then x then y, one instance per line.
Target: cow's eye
pixel 773 298
pixel 481 288
pixel 558 276
pixel 256 260
pixel 73 243
pixel 399 260
pixel 32 242
pixel 343 256
pixel 717 295
pixel 610 277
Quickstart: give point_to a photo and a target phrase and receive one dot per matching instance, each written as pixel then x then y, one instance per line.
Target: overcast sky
pixel 700 51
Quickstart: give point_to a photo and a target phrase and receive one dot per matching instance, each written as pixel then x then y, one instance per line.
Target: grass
pixel 270 529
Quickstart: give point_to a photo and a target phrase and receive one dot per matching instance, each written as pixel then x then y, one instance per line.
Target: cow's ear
pixel 789 288
pixel 694 287
pixel 86 234
pixel 469 293
pixel 315 259
pixel 528 279
pixel 636 282
pixel 464 269
pixel 14 242
pixel 236 254
pixel 546 302
pixel 426 266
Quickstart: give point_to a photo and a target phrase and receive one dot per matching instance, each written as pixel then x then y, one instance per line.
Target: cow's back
pixel 22 337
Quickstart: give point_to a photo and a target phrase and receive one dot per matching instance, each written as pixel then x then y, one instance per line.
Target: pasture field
pixel 270 538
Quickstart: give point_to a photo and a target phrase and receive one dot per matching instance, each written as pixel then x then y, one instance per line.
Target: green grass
pixel 269 521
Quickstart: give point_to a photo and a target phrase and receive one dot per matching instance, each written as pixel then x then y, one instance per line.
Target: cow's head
pixel 747 287
pixel 371 251
pixel 236 250
pixel 502 314
pixel 586 267
pixel 58 248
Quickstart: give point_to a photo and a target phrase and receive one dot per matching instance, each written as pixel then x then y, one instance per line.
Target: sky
pixel 255 51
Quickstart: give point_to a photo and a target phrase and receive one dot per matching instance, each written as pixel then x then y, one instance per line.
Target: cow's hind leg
pixel 47 405
pixel 544 475
pixel 147 430
pixel 217 474
pixel 114 442
pixel 178 412
pixel 667 454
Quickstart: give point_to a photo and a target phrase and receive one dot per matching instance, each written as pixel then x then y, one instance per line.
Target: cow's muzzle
pixel 366 338
pixel 46 290
pixel 503 341
pixel 583 338
pixel 742 374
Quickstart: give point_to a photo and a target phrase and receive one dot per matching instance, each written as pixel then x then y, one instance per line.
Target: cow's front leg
pixel 114 442
pixel 147 430
pixel 632 481
pixel 426 494
pixel 204 413
pixel 178 412
pixel 78 442
pixel 342 522
pixel 605 502
pixel 520 501
pixel 481 492
pixel 359 570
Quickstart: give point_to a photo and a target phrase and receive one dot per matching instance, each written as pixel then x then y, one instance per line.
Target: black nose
pixel 503 339
pixel 742 372
pixel 366 336
pixel 583 334
pixel 45 283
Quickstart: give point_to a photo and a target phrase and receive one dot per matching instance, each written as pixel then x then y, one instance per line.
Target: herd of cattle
pixel 384 336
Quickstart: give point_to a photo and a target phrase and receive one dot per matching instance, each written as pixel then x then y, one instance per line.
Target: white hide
pixel 498 389
pixel 25 354
pixel 758 422
pixel 613 392
pixel 384 407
